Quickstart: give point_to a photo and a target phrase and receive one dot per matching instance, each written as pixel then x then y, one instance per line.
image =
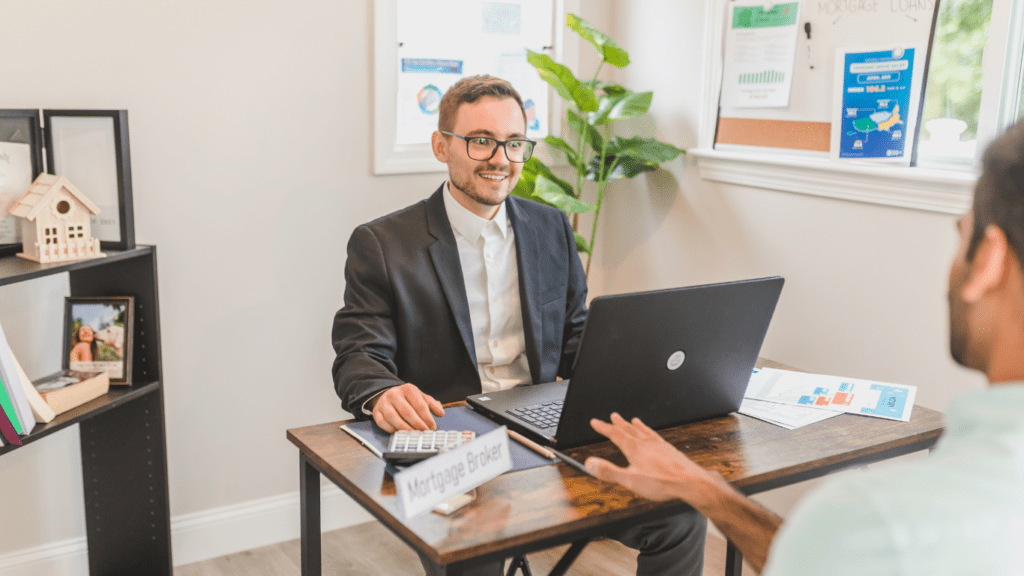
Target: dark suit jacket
pixel 406 316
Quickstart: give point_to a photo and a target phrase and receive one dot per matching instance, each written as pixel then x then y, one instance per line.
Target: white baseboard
pixel 202 535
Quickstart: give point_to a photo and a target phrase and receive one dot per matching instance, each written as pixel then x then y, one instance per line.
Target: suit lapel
pixel 444 254
pixel 528 256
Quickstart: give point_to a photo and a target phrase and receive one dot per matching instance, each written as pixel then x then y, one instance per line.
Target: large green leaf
pixel 611 52
pixel 622 106
pixel 646 150
pixel 620 166
pixel 542 169
pixel 563 81
pixel 581 243
pixel 558 143
pixel 528 178
pixel 589 132
pixel 609 88
pixel 551 193
pixel 532 169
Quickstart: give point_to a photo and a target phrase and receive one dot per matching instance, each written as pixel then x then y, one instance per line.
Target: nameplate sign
pixel 442 477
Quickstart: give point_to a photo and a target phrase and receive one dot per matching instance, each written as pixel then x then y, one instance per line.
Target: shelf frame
pixel 123 435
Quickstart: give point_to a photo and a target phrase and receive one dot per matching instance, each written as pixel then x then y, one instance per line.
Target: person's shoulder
pixel 829 532
pixel 410 215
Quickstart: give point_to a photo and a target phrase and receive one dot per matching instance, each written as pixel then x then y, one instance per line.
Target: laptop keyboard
pixel 542 416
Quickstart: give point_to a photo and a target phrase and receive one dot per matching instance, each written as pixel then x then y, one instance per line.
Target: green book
pixel 8 406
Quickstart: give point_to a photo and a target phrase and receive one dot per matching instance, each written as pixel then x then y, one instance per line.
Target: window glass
pixel 953 93
pixel 1020 98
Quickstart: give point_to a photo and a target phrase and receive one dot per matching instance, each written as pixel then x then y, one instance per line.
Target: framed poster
pixel 21 161
pixel 90 148
pixel 877 97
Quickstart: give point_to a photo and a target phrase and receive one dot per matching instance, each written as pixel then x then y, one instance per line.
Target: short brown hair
pixel 469 90
pixel 999 195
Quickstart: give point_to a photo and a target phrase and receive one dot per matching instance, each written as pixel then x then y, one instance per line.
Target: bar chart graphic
pixel 763 77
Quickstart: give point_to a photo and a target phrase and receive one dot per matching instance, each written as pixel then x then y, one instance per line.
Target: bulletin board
pixel 804 127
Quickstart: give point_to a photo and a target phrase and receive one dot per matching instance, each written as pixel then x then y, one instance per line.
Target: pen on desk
pixel 531 444
pixel 546 452
pixel 810 55
pixel 574 463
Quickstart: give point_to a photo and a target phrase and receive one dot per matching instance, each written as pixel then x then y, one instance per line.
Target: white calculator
pixel 407 447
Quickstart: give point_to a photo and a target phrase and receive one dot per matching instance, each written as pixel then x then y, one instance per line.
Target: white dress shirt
pixel 487 251
pixel 958 512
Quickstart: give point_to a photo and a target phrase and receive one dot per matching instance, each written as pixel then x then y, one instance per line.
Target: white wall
pixel 865 292
pixel 250 133
pixel 251 166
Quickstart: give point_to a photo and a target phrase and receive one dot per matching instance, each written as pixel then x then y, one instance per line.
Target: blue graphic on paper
pixel 807 400
pixel 876 102
pixel 845 386
pixel 431 66
pixel 532 122
pixel 819 391
pixel 891 402
pixel 429 99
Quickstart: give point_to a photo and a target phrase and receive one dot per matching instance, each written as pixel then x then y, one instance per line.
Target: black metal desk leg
pixel 569 557
pixel 309 510
pixel 733 560
pixel 457 569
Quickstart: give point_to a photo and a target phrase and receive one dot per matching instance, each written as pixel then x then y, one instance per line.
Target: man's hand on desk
pixel 656 471
pixel 405 407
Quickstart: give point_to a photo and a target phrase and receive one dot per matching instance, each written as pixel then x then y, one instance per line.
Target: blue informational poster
pixel 876 104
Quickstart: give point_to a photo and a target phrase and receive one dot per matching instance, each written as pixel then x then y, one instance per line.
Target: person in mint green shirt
pixel 959 511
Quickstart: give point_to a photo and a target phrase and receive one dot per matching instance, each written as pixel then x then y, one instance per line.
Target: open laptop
pixel 668 356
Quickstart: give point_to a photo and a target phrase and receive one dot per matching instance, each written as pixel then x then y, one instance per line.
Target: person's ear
pixel 989 265
pixel 439 146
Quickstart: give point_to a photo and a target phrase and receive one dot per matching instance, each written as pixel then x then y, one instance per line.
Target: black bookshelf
pixel 122 433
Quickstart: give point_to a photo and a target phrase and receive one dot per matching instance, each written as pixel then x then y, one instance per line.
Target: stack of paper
pixel 794 399
pixel 785 415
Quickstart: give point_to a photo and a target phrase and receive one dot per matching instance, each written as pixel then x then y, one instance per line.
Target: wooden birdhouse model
pixel 55 225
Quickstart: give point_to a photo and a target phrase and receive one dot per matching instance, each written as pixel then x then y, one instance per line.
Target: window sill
pixel 931 190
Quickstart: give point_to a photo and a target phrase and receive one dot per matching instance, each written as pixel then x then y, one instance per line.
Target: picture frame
pixel 91 149
pixel 98 336
pixel 21 161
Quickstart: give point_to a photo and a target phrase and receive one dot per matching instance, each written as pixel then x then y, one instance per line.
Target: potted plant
pixel 592 150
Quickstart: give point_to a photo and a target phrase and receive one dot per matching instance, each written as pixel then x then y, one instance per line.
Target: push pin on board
pixel 810 55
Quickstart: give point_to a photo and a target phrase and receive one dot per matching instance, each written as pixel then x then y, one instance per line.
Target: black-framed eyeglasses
pixel 483 148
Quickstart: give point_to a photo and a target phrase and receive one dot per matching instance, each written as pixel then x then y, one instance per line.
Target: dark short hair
pixel 999 195
pixel 469 90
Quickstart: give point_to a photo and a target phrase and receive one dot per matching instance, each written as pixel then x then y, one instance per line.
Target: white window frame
pixel 947 191
pixel 392 158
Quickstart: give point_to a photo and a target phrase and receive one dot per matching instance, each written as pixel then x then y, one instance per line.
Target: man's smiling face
pixel 481 186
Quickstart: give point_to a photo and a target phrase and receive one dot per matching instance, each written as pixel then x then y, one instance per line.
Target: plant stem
pixel 601 186
pixel 581 155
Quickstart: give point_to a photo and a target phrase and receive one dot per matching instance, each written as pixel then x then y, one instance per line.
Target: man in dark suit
pixel 473 290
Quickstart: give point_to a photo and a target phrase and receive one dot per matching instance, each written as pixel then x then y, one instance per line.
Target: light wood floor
pixel 371 550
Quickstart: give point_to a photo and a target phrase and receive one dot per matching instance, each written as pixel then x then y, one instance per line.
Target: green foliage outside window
pixel 955 77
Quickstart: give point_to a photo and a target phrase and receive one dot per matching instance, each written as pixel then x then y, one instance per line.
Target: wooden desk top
pixel 558 504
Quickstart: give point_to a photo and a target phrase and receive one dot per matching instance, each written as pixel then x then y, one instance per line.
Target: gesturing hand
pixel 656 470
pixel 406 407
